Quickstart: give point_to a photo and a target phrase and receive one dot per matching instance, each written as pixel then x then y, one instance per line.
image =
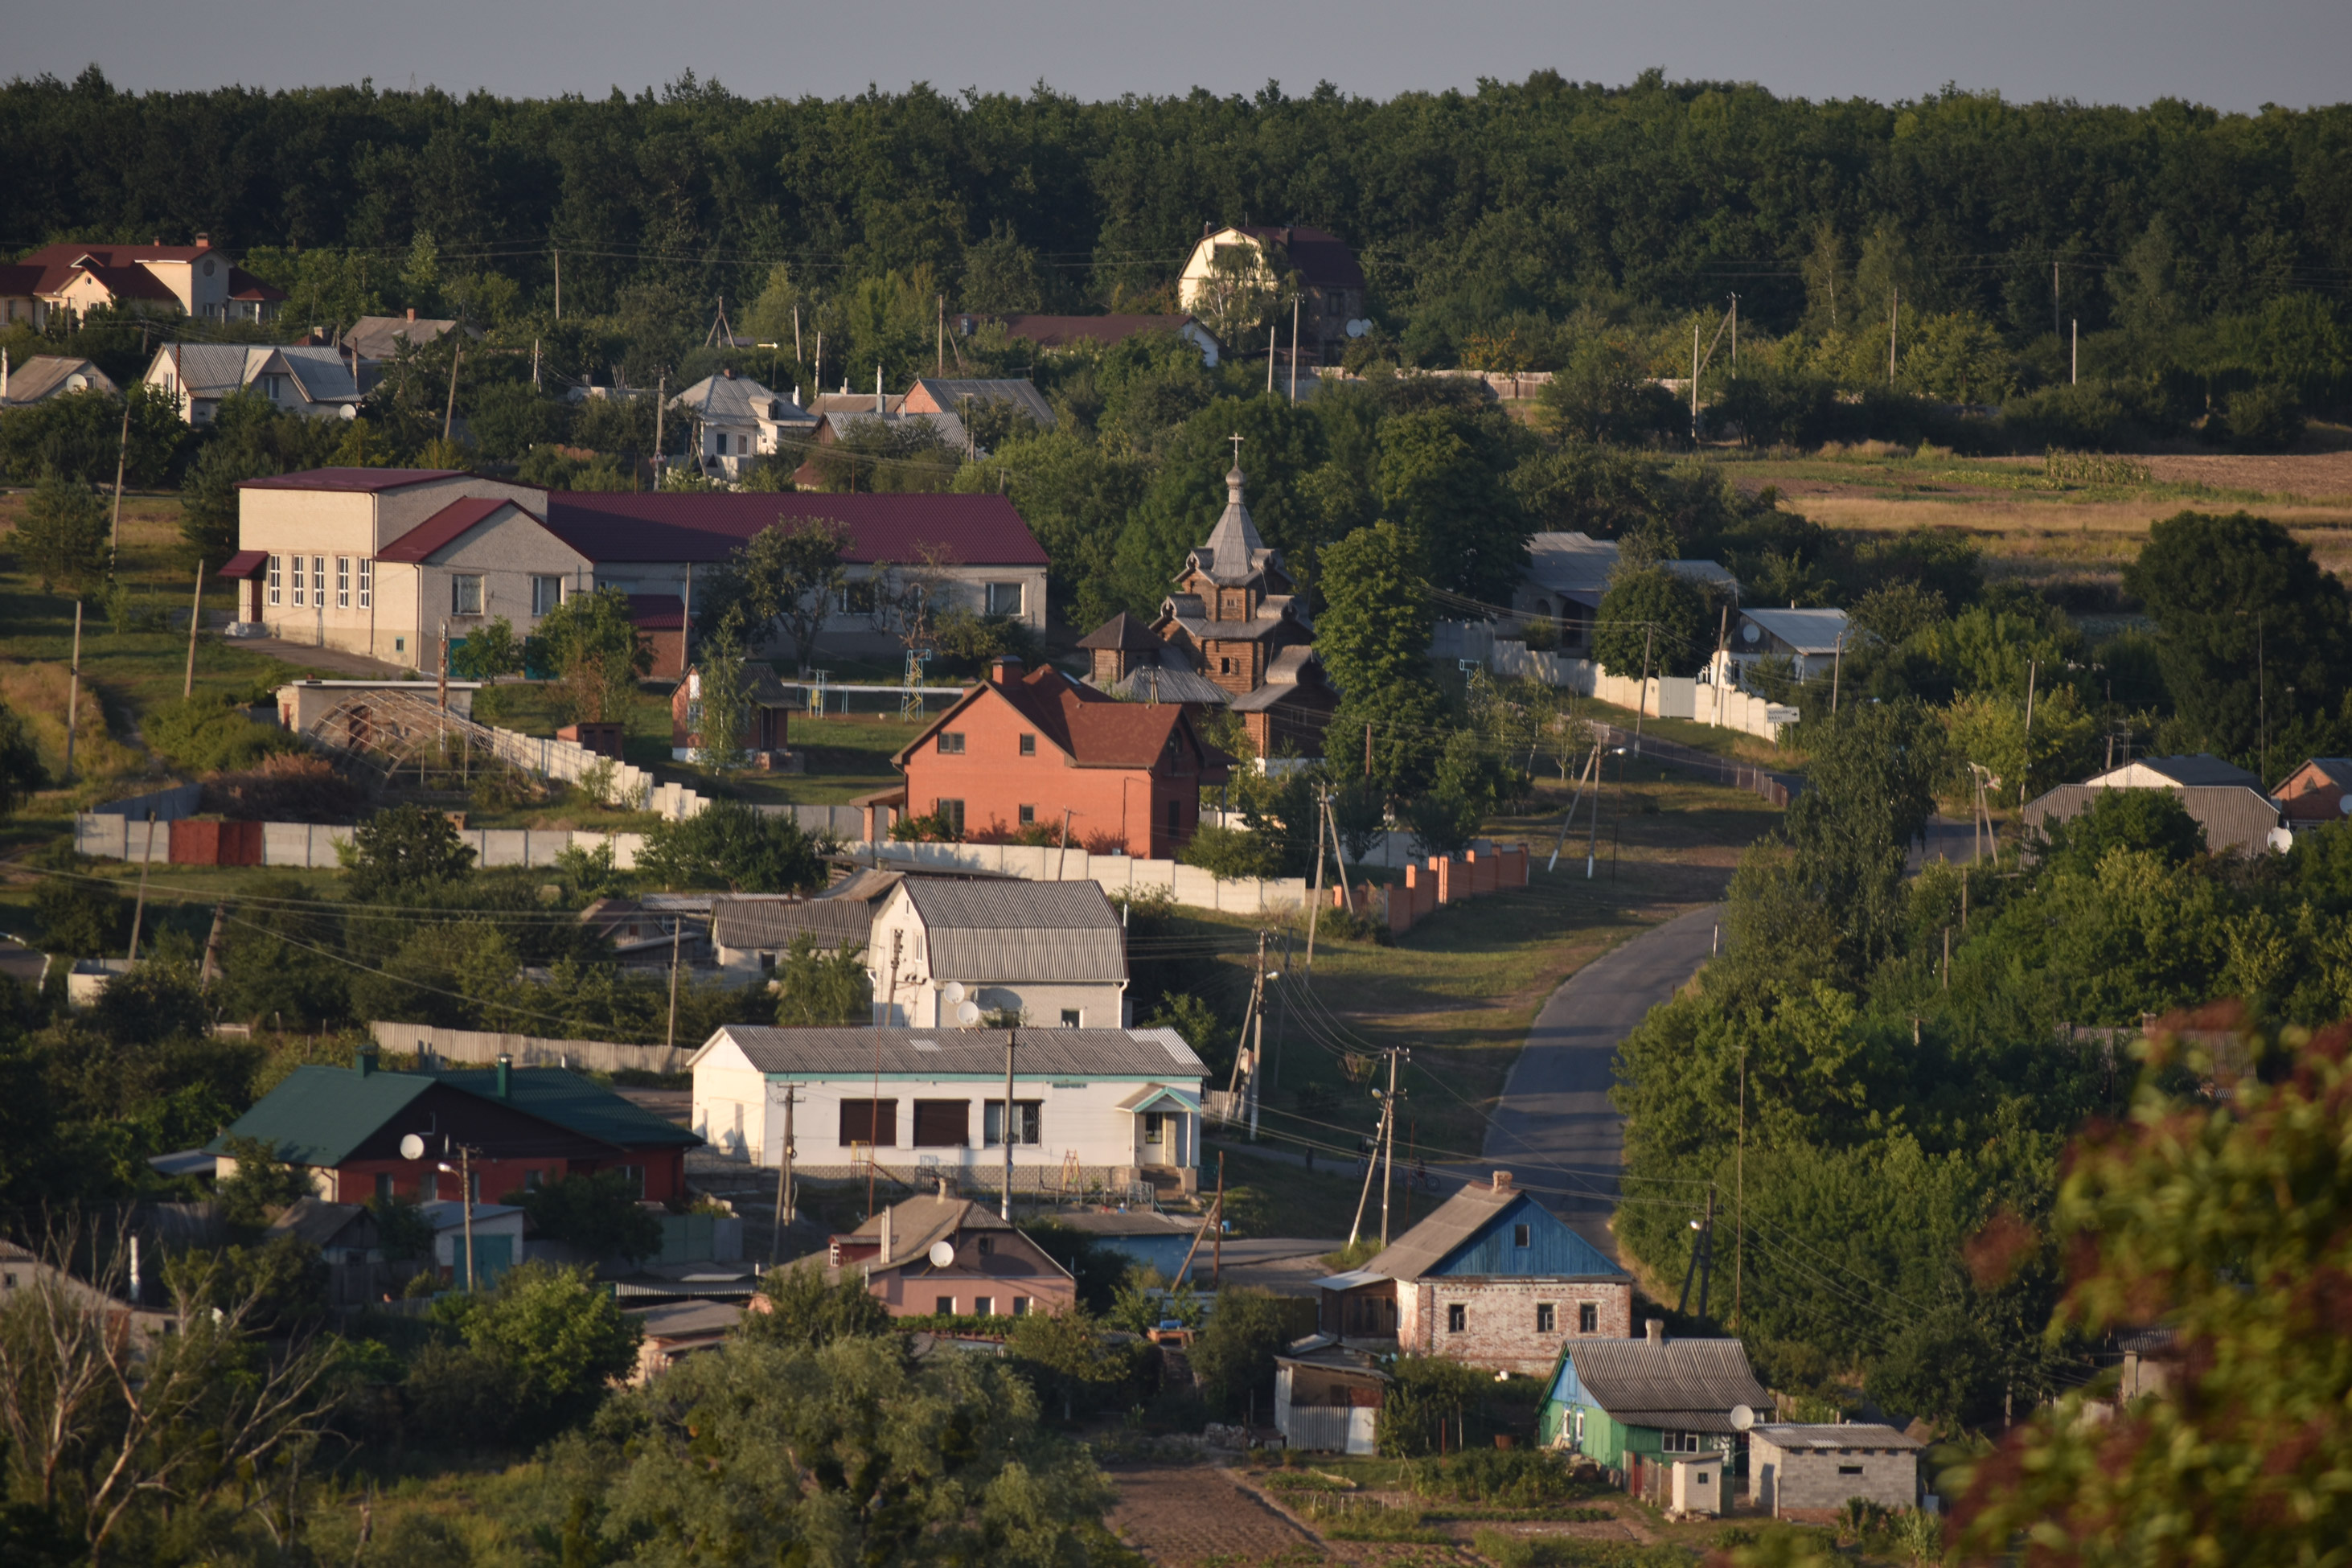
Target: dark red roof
pixel 445 527
pixel 368 480
pixel 243 565
pixel 125 282
pixel 57 262
pixel 658 612
pixel 243 285
pixel 1055 331
pixel 971 531
pixel 1322 258
pixel 18 279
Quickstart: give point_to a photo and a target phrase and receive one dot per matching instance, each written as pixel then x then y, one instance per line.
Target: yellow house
pixel 1332 283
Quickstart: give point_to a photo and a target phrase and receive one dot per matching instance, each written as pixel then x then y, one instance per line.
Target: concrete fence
pixel 1660 696
pixel 432 1043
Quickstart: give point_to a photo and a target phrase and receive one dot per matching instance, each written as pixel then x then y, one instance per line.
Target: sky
pixel 2231 54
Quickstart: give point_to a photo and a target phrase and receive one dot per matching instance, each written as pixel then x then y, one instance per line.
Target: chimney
pixel 1656 1327
pixel 729 371
pixel 1502 1180
pixel 1208 228
pixel 506 1076
pixel 203 242
pixel 1004 669
pixel 885 1255
pixel 412 312
pixel 365 1060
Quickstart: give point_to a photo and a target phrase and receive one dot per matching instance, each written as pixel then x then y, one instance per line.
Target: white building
pixel 315 381
pixel 944 954
pixel 1810 640
pixel 1113 1107
pixel 44 376
pixel 1569 572
pixel 737 421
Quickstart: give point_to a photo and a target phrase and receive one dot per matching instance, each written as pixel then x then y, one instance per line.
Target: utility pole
pixel 444 673
pixel 73 692
pixel 1293 348
pixel 121 458
pixel 1894 328
pixel 1217 1236
pixel 2261 695
pixel 1837 668
pixel 784 1184
pixel 676 937
pixel 1367 741
pixel 139 912
pixel 1315 904
pixel 1012 1121
pixel 873 1106
pixel 456 354
pixel 465 1170
pixel 2032 672
pixel 1740 1191
pixel 1272 328
pixel 218 939
pixel 943 357
pixel 1591 767
pixel 1694 385
pixel 558 285
pixel 2074 354
pixel 534 365
pixel 1371 1168
pixel 1641 707
pixel 661 407
pixel 195 615
pixel 2057 327
pixel 1388 1166
pixel 1735 335
pixel 796 333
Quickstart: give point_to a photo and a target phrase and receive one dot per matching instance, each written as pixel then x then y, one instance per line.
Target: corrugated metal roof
pixel 320 1114
pixel 1454 1222
pixel 971 529
pixel 1037 1053
pixel 2233 815
pixel 571 1102
pixel 1019 931
pixel 1806 631
pixel 1673 1382
pixel 1170 682
pixel 366 481
pixel 31 380
pixel 2203 768
pixel 946 395
pixel 758 924
pixel 1819 1436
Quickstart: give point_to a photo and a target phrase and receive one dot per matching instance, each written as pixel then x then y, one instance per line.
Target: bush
pixel 405 847
pixel 553 1335
pixel 2090 416
pixel 729 844
pixel 796 1306
pixel 1231 854
pixel 289 788
pixel 2263 419
pixel 1429 1393
pixel 209 733
pixel 594 1213
pixel 1234 1355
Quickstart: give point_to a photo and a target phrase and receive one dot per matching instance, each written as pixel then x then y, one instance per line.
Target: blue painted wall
pixel 1552 1251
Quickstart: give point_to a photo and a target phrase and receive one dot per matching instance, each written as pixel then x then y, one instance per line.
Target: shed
pixel 675 1329
pixel 1158 1241
pixel 1810 1472
pixel 1327 1397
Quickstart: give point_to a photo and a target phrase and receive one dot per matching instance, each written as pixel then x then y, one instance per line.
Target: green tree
pixel 598 657
pixel 1374 632
pixel 560 1338
pixel 20 761
pixel 1603 394
pixel 786 578
pixel 822 990
pixel 2248 622
pixel 1651 619
pixel 797 1306
pixel 730 844
pixel 262 1184
pixel 61 538
pixel 725 701
pixel 1234 1355
pixel 1867 797
pixel 401 848
pixel 1441 482
pixel 598 1214
pixel 488 652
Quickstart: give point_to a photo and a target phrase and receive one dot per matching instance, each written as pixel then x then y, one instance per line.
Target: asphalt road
pixel 1555 1129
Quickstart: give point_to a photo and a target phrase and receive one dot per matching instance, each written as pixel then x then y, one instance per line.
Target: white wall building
pixel 314 381
pixel 1119 1105
pixel 1810 640
pixel 944 954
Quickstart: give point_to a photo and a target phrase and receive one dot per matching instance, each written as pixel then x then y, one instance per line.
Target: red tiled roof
pixel 972 531
pixel 243 285
pixel 367 480
pixel 445 527
pixel 243 565
pixel 656 612
pixel 1097 730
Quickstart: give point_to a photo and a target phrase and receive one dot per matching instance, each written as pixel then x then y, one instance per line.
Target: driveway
pixel 1554 1127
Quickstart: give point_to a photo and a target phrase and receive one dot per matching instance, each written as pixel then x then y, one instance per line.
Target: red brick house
pixel 952 1257
pixel 344 1126
pixel 2318 792
pixel 1022 749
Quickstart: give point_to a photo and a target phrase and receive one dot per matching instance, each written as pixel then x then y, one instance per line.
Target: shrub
pixel 405 848
pixel 796 1306
pixel 730 844
pixel 288 787
pixel 61 538
pixel 209 733
pixel 2263 419
pixel 594 1213
pixel 1231 854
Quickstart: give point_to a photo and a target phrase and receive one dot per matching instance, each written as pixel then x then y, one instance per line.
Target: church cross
pixel 1236 439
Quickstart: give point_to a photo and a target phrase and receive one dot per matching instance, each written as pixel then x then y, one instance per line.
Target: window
pixel 428 1187
pixel 342 582
pixel 983 1306
pixel 1520 1236
pixel 874 1121
pixel 767 963
pixel 951 812
pixel 318 579
pixel 1543 1318
pixel 367 583
pixel 1004 598
pixel 1155 1129
pixel 1849 1469
pixel 1020 1306
pixel 1072 1018
pixel 952 742
pixel 1224 667
pixel 942 1124
pixel 532 1180
pixel 1027 1115
pixel 278 579
pixel 301 597
pixel 399 645
pixel 1679 1443
pixel 1028 745
pixel 1588 1317
pixel 273 387
pixel 855 599
pixel 987 1245
pixel 1028 817
pixel 1457 1317
pixel 465 594
pixel 546 593
pixel 383 1186
pixel 633 1180
pixel 1175 816
pixel 945 1307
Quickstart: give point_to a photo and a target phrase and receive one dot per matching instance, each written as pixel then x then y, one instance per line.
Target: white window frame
pixel 318 580
pixel 367 582
pixel 300 588
pixel 457 599
pixel 1020 592
pixel 546 593
pixel 278 579
pixel 342 582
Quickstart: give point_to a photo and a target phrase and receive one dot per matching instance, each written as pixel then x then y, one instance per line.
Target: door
pixel 942 1124
pixel 494 1254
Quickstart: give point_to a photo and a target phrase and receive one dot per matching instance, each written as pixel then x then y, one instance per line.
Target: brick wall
pixel 1500 1318
pixel 1805 1485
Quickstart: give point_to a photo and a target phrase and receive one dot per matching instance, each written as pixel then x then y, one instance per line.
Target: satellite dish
pixel 1742 1418
pixel 2345 805
pixel 1747 632
pixel 412 1147
pixel 968 1014
pixel 951 993
pixel 1358 329
pixel 942 1254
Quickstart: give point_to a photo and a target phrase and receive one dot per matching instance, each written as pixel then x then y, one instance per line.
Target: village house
pixel 1810 1472
pixel 2226 801
pixel 753 930
pixel 44 376
pixel 949 1256
pixel 645 932
pixel 960 396
pixel 1634 1407
pixel 157 280
pixel 2318 792
pixel 1567 575
pixel 385 562
pixel 1491 1278
pixel 316 382
pixel 373 339
pixel 763 725
pixel 737 421
pixel 1813 643
pixel 345 1128
pixel 946 954
pixel 1106 1110
pixel 1332 283
pixel 1038 750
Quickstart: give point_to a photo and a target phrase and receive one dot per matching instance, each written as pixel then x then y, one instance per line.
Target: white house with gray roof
pixel 947 952
pixel 1568 574
pixel 737 421
pixel 318 383
pixel 1122 1106
pixel 1810 640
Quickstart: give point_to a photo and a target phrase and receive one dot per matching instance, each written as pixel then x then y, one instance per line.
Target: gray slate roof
pixel 773 924
pixel 2234 816
pixel 1577 564
pixel 1234 553
pixel 1019 931
pixel 381 337
pixel 1687 1386
pixel 1169 683
pixel 2203 768
pixel 1825 1437
pixel 950 392
pixel 1807 631
pixel 1160 1054
pixel 739 400
pixel 31 380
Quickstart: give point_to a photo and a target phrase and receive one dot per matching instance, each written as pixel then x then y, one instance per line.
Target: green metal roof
pixel 321 1115
pixel 571 1102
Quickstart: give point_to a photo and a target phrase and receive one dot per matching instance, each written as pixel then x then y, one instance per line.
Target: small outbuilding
pixel 766 717
pixel 1327 1397
pixel 1810 1472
